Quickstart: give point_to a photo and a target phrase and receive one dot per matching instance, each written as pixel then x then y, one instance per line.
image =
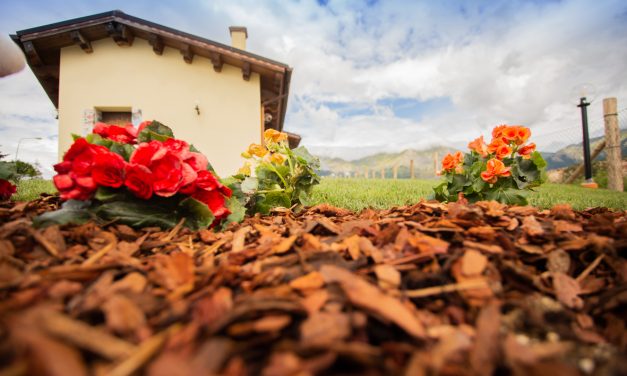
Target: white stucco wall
pixel 166 89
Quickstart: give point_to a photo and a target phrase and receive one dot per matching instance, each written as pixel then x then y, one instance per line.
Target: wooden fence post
pixel 395 172
pixel 612 145
pixel 411 169
pixel 435 163
pixel 382 172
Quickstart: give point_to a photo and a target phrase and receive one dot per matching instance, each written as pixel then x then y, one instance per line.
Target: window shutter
pixel 136 116
pixel 89 119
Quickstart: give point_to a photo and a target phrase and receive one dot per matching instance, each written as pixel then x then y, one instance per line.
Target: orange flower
pixel 272 135
pixel 499 148
pixel 495 168
pixel 257 150
pixel 498 131
pixel 522 135
pixel 277 158
pixel 451 162
pixel 526 150
pixel 479 146
pixel 510 134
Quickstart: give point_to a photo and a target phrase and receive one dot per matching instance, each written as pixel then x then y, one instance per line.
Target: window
pixel 116 117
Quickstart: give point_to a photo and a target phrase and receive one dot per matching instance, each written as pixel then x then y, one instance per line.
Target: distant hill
pixel 424 166
pixel 423 163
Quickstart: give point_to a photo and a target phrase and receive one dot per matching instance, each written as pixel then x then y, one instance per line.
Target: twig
pixel 101 252
pixel 174 231
pixel 437 290
pixel 84 336
pixel 144 352
pixel 590 268
pixel 44 242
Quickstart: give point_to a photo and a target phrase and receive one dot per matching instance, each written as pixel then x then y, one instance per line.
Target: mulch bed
pixel 418 290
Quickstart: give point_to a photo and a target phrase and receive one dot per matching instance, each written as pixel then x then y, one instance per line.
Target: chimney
pixel 239 34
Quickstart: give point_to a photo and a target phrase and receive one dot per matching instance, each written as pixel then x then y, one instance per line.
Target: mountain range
pixel 425 165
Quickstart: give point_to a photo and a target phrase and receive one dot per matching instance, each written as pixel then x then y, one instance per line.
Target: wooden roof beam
pixel 157 44
pixel 216 60
pixel 32 54
pixel 246 71
pixel 187 53
pixel 80 40
pixel 121 34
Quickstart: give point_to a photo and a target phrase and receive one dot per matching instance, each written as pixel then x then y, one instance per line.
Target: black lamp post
pixel 586 139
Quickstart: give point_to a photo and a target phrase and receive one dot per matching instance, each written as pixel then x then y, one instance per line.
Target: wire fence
pixel 573 134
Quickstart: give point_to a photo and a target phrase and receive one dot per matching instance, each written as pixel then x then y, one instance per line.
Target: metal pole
pixel 17 150
pixel 586 139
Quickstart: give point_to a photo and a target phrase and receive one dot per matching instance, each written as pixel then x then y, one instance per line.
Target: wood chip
pixel 365 295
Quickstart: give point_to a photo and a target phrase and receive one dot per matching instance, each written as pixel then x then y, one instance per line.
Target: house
pixel 117 68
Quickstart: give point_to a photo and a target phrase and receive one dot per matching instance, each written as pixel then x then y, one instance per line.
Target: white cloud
pixel 496 61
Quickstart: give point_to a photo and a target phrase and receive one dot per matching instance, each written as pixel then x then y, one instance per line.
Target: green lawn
pixel 357 194
pixel 31 189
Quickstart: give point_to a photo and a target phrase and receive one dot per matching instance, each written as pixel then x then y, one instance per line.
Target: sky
pixel 380 76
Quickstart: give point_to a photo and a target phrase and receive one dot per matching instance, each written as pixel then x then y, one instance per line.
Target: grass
pixel 356 194
pixel 30 189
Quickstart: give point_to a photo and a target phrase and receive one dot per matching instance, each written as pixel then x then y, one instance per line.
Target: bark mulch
pixel 417 290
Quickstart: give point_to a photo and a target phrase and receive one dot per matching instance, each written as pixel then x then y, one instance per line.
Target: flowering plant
pixel 7 173
pixel 282 177
pixel 500 170
pixel 140 177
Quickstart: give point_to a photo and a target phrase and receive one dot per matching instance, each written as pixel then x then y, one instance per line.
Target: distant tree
pixel 16 170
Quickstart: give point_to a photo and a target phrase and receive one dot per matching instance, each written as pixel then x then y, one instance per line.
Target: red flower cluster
pixel 155 168
pixel 6 189
pixel 126 134
pixel 86 166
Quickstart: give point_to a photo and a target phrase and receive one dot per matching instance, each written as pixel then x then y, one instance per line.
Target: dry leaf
pixel 567 290
pixel 123 315
pixel 531 226
pixel 310 281
pixel 365 295
pixel 323 329
pixel 174 270
pixel 473 263
pixel 388 276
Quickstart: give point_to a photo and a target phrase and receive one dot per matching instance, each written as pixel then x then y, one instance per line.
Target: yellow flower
pixel 244 170
pixel 277 158
pixel 258 150
pixel 272 135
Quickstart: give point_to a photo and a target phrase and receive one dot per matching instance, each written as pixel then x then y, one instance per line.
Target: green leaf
pixel 96 139
pixel 155 131
pixel 305 198
pixel 526 173
pixel 197 214
pixel 238 211
pixel 75 136
pixel 479 185
pixel 537 159
pixel 250 185
pixel 139 213
pixel 71 212
pixel 124 150
pixel 304 157
pixel 106 194
pixel 272 200
pixel 507 196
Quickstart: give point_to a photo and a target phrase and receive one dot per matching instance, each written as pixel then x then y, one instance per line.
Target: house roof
pixel 42 46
